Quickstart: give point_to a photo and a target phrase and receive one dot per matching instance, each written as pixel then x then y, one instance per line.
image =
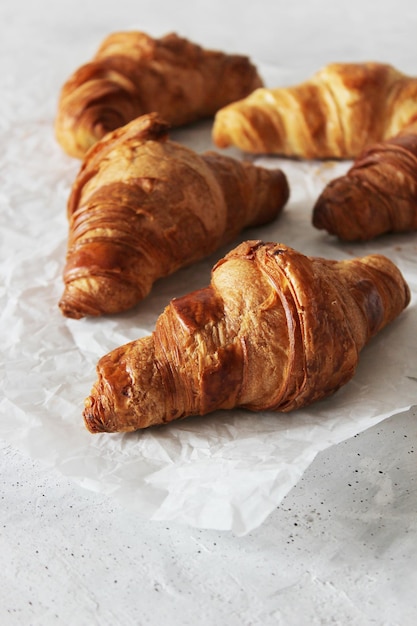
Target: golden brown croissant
pixel 377 195
pixel 334 114
pixel 275 330
pixel 133 74
pixel 143 206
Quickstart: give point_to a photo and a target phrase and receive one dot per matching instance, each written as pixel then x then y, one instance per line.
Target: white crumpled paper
pixel 227 471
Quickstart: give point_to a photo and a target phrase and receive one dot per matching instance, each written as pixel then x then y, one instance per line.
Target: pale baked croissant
pixel 133 74
pixel 378 194
pixel 143 206
pixel 274 331
pixel 334 114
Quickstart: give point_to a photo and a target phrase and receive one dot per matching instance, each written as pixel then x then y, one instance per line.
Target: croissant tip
pixel 70 312
pixel 76 304
pixel 320 210
pixel 91 415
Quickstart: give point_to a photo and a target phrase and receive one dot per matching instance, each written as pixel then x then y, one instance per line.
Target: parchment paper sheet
pixel 225 471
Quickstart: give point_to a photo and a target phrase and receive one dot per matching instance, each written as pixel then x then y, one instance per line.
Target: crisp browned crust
pixel 275 330
pixel 143 206
pixel 133 74
pixel 378 194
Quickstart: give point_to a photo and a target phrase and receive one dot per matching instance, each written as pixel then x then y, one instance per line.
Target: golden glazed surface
pixel 335 114
pixel 274 330
pixel 143 206
pixel 378 194
pixel 133 74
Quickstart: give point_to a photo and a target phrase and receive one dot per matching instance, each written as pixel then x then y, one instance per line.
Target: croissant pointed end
pixel 120 401
pixel 94 297
pixel 92 414
pixel 336 211
pixel 100 414
pixel 231 128
pixel 322 215
pixel 220 134
pixel 274 197
pixel 75 306
pixel 70 311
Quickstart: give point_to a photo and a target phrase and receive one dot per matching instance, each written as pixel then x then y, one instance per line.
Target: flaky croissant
pixel 378 194
pixel 275 330
pixel 133 74
pixel 143 206
pixel 334 114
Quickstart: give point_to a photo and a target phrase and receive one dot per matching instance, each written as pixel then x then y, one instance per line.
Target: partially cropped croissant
pixel 334 114
pixel 133 74
pixel 275 330
pixel 143 206
pixel 378 194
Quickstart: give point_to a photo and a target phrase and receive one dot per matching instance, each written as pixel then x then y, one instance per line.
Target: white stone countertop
pixel 341 546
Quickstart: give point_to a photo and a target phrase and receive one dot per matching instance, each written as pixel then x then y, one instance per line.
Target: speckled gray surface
pixel 341 548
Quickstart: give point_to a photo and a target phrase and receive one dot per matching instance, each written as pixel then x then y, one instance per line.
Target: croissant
pixel 378 194
pixel 334 114
pixel 143 206
pixel 274 331
pixel 133 74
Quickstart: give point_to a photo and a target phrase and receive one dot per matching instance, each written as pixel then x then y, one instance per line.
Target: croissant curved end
pixel 93 411
pixel 100 416
pixel 335 211
pixel 233 128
